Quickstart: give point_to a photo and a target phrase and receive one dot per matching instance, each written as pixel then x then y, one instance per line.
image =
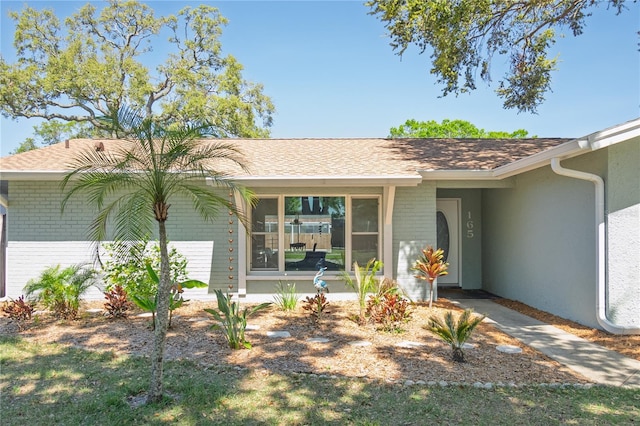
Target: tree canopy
pixel 465 35
pixel 50 132
pixel 449 129
pixel 95 62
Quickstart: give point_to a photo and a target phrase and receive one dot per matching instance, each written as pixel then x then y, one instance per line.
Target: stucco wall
pixel 623 233
pixel 539 240
pixel 414 226
pixel 39 236
pixel 471 235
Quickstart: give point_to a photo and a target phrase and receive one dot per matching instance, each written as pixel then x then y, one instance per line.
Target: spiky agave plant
pixel 455 332
pixel 430 266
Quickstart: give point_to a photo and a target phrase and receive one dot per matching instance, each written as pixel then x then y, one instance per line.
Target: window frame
pixel 351 232
pixel 281 231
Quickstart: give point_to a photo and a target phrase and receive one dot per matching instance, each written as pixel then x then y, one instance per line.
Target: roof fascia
pixel 334 181
pixel 592 142
pixel 540 159
pixel 475 184
pixel 33 174
pixel 431 174
pixel 613 135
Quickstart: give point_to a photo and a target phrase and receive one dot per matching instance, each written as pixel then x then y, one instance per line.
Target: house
pixel 554 223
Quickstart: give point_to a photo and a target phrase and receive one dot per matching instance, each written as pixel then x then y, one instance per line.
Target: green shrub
pixel 60 290
pixel 453 332
pixel 127 267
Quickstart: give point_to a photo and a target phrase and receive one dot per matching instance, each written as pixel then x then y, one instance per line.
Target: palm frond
pixel 455 332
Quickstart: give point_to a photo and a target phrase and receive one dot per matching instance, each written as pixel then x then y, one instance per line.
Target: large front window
pixel 310 232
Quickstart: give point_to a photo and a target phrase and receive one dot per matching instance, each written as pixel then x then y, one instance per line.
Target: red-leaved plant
pixel 18 310
pixel 430 266
pixel 117 303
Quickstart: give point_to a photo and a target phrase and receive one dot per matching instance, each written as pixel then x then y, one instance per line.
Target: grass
pixel 60 385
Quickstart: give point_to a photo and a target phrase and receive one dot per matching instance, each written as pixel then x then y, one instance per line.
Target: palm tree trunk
pixel 162 318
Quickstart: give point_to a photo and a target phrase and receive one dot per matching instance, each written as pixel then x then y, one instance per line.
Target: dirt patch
pixel 415 354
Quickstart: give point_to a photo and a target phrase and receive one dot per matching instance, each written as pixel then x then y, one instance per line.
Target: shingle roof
pixel 327 157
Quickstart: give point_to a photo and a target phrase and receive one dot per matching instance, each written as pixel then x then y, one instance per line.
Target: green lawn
pixel 56 385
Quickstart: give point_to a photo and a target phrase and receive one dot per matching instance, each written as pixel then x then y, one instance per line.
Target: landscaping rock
pixel 278 334
pixel 509 349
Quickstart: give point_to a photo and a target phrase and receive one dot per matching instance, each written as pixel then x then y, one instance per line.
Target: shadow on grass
pixel 56 384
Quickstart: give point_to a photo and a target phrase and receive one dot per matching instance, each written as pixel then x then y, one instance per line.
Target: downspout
pixel 601 283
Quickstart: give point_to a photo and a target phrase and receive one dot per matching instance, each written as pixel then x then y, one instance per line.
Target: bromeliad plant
pixel 429 267
pixel 455 333
pixel 232 321
pixel 365 282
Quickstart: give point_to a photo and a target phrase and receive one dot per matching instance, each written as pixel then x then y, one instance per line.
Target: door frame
pixel 455 235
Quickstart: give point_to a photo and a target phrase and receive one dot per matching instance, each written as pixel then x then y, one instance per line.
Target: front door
pixel 448 226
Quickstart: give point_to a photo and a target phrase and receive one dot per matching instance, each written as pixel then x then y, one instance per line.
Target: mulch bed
pixel 192 338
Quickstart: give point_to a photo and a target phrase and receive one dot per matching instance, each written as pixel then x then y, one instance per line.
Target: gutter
pixel 601 283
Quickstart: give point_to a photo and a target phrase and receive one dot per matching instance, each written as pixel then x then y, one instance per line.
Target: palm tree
pixel 134 182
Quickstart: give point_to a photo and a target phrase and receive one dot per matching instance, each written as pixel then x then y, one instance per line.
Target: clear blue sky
pixel 330 71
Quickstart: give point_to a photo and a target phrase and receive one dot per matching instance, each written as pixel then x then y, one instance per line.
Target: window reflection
pixel 264 237
pixel 314 232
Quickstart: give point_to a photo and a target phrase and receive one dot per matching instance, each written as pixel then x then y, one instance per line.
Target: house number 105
pixel 469 225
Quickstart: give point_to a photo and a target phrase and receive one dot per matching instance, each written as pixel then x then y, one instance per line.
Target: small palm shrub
pixel 117 303
pixel 19 310
pixel 60 290
pixel 365 282
pixel 286 297
pixel 455 332
pixel 317 306
pixel 232 321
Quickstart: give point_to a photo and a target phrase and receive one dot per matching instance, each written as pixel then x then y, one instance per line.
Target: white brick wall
pixel 27 259
pixel 39 236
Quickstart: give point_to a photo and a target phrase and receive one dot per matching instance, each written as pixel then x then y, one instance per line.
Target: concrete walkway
pixel 593 361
